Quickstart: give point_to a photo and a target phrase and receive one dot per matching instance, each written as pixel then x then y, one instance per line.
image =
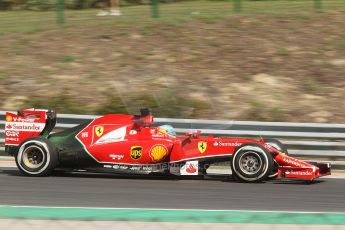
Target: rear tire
pixel 37 156
pixel 251 163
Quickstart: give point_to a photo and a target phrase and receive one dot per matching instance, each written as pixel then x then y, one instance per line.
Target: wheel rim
pixel 250 163
pixel 33 157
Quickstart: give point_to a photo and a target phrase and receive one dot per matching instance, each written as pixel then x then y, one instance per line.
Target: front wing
pixel 293 168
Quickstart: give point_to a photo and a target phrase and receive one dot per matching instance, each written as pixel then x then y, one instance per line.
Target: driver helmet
pixel 167 129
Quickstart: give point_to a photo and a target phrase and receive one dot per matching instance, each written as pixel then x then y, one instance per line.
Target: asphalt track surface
pixel 216 192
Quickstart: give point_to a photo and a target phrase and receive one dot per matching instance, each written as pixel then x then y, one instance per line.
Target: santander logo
pixel 26 127
pixel 191 169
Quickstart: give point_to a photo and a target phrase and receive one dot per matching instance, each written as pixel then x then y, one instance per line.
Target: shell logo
pixel 158 152
pixel 9 118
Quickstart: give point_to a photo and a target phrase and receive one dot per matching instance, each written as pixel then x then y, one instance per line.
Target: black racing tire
pixel 37 157
pixel 280 147
pixel 251 163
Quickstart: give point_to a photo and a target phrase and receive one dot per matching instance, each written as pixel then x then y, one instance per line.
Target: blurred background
pixel 269 60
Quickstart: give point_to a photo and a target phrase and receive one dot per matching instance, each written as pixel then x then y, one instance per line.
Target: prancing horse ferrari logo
pixel 202 145
pixel 99 130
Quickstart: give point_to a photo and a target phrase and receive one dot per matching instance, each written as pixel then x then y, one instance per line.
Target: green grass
pixel 313 86
pixel 282 53
pixel 22 42
pixel 68 59
pixel 172 13
pixel 62 102
pixel 162 104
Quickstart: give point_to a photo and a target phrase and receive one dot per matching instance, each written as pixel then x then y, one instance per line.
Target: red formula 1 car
pixel 130 144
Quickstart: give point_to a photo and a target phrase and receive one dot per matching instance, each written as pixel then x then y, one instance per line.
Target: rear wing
pixel 27 123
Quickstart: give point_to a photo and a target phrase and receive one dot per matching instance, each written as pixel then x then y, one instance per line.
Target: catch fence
pixel 39 15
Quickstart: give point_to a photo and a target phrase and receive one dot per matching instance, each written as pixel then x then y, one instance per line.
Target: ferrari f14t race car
pixel 130 144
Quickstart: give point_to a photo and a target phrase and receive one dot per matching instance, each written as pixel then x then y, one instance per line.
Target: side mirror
pixel 193 135
pixel 197 134
pixel 188 134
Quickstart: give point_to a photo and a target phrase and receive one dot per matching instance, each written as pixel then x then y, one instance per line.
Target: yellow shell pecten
pixel 158 152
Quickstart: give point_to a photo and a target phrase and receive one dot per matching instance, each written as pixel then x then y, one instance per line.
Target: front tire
pixel 37 156
pixel 251 163
pixel 281 148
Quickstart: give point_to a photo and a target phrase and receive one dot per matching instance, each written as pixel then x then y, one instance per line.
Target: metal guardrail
pixel 302 139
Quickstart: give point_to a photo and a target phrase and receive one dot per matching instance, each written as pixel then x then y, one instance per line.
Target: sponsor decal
pixel 135 168
pixel 152 131
pixel 27 120
pixel 298 173
pixel 190 168
pixel 292 162
pixel 147 168
pixel 99 130
pixel 120 167
pixel 9 118
pixel 85 134
pixel 202 145
pixel 12 134
pixel 12 139
pixel 116 156
pixel 226 144
pixel 133 132
pixel 136 152
pixel 158 135
pixel 17 126
pixel 158 152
